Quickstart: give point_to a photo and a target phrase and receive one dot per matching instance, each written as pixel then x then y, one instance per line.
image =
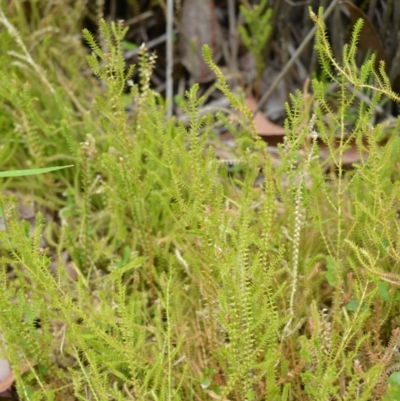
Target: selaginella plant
pixel 191 280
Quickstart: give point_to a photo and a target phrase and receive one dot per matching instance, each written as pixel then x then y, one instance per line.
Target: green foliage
pixel 163 274
pixel 258 31
pixel 349 72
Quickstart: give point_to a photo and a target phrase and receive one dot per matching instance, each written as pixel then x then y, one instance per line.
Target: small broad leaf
pixel 330 273
pixel 352 305
pixel 127 45
pixel 210 371
pixel 394 379
pixel 384 290
pixel 126 254
pixel 205 383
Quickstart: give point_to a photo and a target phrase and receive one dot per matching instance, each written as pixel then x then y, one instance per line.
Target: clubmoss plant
pixel 257 34
pixel 166 275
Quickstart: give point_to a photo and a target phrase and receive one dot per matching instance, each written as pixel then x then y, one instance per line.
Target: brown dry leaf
pixel 270 132
pixel 350 155
pixel 199 26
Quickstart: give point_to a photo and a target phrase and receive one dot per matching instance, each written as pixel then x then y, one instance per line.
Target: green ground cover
pixel 154 270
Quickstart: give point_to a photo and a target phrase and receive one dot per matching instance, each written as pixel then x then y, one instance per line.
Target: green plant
pixel 258 31
pixel 44 107
pixel 191 281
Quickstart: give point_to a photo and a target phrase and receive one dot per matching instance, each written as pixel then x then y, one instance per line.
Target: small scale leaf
pixel 205 383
